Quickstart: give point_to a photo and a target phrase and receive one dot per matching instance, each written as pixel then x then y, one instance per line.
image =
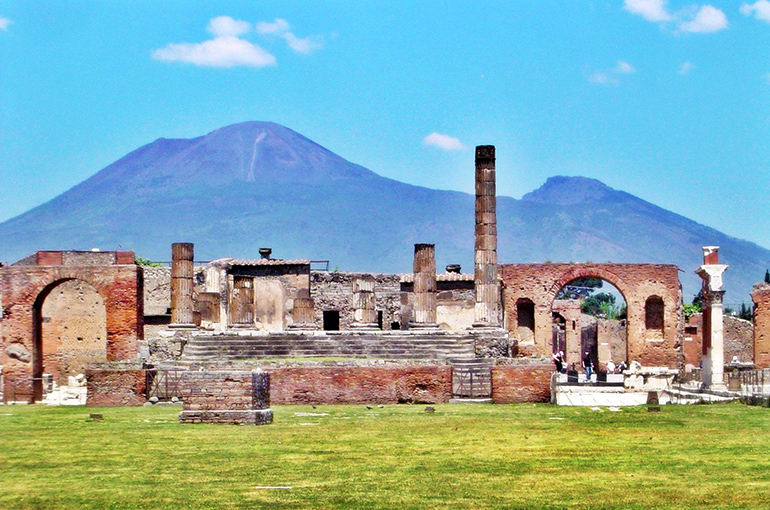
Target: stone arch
pixel 24 289
pixel 576 272
pixel 581 339
pixel 69 330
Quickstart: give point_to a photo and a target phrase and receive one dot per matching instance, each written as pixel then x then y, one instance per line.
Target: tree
pixel 746 312
pixel 603 305
pixel 767 275
pixel 139 261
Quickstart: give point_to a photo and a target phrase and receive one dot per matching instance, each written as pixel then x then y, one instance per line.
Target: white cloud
pixel 224 51
pixel 708 19
pixel 305 45
pixel 760 9
pixel 612 76
pixel 445 142
pixel 705 19
pixel 4 22
pixel 624 67
pixel 651 10
pixel 280 27
pixel 685 68
pixel 223 26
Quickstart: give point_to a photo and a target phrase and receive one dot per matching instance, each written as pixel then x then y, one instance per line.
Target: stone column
pixel 182 285
pixel 487 309
pixel 424 309
pixel 303 313
pixel 364 304
pixel 713 341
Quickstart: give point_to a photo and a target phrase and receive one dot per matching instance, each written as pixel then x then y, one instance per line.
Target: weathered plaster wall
pixel 74 330
pixel 637 282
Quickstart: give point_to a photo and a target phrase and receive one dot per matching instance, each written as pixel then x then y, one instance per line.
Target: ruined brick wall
pixel 116 387
pixel 521 383
pixel 334 291
pixel 637 282
pixel 225 390
pixel 74 330
pixel 361 385
pixel 761 297
pixel 738 335
pixel 23 288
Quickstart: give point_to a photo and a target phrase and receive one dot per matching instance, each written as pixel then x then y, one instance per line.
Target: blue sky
pixel 669 101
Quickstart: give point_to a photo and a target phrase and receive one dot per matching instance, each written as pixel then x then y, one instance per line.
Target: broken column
pixel 182 285
pixel 364 304
pixel 760 295
pixel 713 342
pixel 424 308
pixel 487 309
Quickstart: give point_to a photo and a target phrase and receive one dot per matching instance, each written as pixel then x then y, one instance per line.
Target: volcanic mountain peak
pixel 563 190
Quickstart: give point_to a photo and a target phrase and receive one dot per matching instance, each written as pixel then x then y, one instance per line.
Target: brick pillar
pixel 182 285
pixel 487 309
pixel 364 309
pixel 303 313
pixel 761 297
pixel 424 310
pixel 713 341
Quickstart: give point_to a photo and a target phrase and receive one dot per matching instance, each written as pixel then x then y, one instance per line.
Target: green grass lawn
pixel 461 456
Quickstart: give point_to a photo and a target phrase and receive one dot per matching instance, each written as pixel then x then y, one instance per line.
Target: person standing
pixel 587 365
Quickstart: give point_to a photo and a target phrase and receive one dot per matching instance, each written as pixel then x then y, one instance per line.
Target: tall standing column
pixel 713 341
pixel 487 309
pixel 303 313
pixel 364 304
pixel 182 285
pixel 424 309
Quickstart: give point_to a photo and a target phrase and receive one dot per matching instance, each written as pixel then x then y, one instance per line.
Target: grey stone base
pixel 251 417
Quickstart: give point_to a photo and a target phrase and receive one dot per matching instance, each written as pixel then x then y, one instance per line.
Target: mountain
pixel 259 184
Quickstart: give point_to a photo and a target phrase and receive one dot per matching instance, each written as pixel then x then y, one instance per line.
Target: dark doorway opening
pixel 331 320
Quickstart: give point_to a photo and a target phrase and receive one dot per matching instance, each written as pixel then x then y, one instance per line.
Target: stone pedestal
pixel 230 397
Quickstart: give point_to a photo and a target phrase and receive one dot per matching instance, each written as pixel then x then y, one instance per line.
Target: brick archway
pixel 636 282
pixel 23 289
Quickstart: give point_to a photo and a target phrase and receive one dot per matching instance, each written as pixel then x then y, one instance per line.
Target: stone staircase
pixel 398 345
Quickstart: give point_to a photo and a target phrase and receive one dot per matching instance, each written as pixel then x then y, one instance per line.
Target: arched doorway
pixel 589 315
pixel 70 332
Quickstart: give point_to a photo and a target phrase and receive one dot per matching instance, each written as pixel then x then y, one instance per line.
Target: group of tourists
pixel 588 364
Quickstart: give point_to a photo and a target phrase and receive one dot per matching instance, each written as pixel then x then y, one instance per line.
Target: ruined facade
pixel 652 293
pixel 53 304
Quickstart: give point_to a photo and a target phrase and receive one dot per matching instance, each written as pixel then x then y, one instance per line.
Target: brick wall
pixel 225 390
pixel 761 297
pixel 22 288
pixel 738 335
pixel 637 282
pixel 116 388
pixel 521 383
pixel 361 385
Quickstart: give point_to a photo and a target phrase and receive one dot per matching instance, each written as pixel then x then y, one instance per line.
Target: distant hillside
pixel 259 184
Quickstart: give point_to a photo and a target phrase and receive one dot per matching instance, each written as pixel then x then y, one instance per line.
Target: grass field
pixel 461 456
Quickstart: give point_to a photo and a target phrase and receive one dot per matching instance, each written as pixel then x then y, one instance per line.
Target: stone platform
pixel 240 417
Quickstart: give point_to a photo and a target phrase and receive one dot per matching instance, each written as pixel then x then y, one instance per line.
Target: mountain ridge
pixel 256 184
